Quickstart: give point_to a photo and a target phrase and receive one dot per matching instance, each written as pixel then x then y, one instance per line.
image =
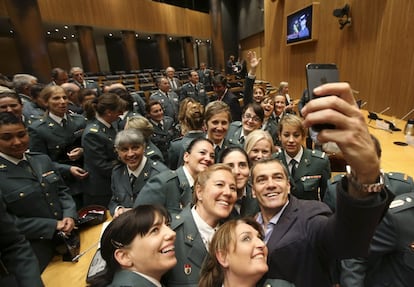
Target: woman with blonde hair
pixel 237 256
pixel 191 120
pixel 259 145
pixel 214 196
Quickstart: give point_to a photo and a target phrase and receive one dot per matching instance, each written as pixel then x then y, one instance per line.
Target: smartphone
pixel 316 75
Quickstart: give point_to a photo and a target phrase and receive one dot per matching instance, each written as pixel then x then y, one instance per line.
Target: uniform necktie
pixel 293 163
pixel 241 140
pixel 160 126
pixel 63 122
pixel 132 179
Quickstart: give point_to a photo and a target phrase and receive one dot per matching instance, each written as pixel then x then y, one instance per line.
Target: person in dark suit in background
pixel 223 93
pixel 98 144
pixel 132 173
pixel 309 170
pixel 194 89
pixel 302 236
pixel 138 248
pixel 175 83
pixel 33 191
pixel 58 77
pixel 16 255
pixel 58 135
pixel 78 78
pixel 215 193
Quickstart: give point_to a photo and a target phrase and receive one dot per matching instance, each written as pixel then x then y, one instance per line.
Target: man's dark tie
pixel 241 140
pixel 63 122
pixel 217 150
pixel 132 179
pixel 160 126
pixel 293 167
pixel 277 119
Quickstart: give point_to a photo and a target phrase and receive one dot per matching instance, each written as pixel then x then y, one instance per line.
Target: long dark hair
pixel 122 231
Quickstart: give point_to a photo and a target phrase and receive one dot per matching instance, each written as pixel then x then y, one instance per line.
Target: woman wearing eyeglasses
pixel 138 247
pixel 252 119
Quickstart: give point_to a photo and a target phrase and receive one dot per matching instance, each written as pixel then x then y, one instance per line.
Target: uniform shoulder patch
pixel 402 202
pixel 318 153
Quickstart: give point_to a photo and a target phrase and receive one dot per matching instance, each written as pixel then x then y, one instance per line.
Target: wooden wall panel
pixel 138 15
pixel 13 65
pixel 58 55
pixel 375 54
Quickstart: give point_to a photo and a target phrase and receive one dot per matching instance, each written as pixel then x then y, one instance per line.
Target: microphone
pixel 407 114
pixel 386 109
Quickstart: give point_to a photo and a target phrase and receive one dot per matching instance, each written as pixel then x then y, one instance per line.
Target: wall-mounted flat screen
pixel 301 25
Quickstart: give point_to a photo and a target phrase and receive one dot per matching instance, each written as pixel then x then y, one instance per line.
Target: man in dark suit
pixel 194 89
pixel 224 94
pixel 16 255
pixel 303 237
pixel 175 83
pixel 78 78
pixel 58 77
pixel 33 191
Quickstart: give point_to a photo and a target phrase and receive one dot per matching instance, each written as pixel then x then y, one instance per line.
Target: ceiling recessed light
pixel 149 37
pixel 170 38
pixel 56 29
pixel 73 36
pixel 11 31
pixel 136 35
pixel 66 27
pixel 110 34
pixel 64 37
pixel 48 32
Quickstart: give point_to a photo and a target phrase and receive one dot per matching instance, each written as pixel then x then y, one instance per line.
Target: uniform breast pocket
pixel 50 178
pixel 19 200
pixel 310 183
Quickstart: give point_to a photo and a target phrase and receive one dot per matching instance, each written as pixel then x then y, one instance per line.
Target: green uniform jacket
pixel 311 175
pixel 396 182
pixel 169 188
pixel 189 250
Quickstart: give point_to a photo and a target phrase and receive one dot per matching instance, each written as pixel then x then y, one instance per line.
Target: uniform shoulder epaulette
pixel 177 139
pixel 93 128
pixel 158 166
pixel 167 175
pixel 277 154
pixel 177 220
pixel 318 153
pixel 402 202
pixel 399 176
pixel 337 178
